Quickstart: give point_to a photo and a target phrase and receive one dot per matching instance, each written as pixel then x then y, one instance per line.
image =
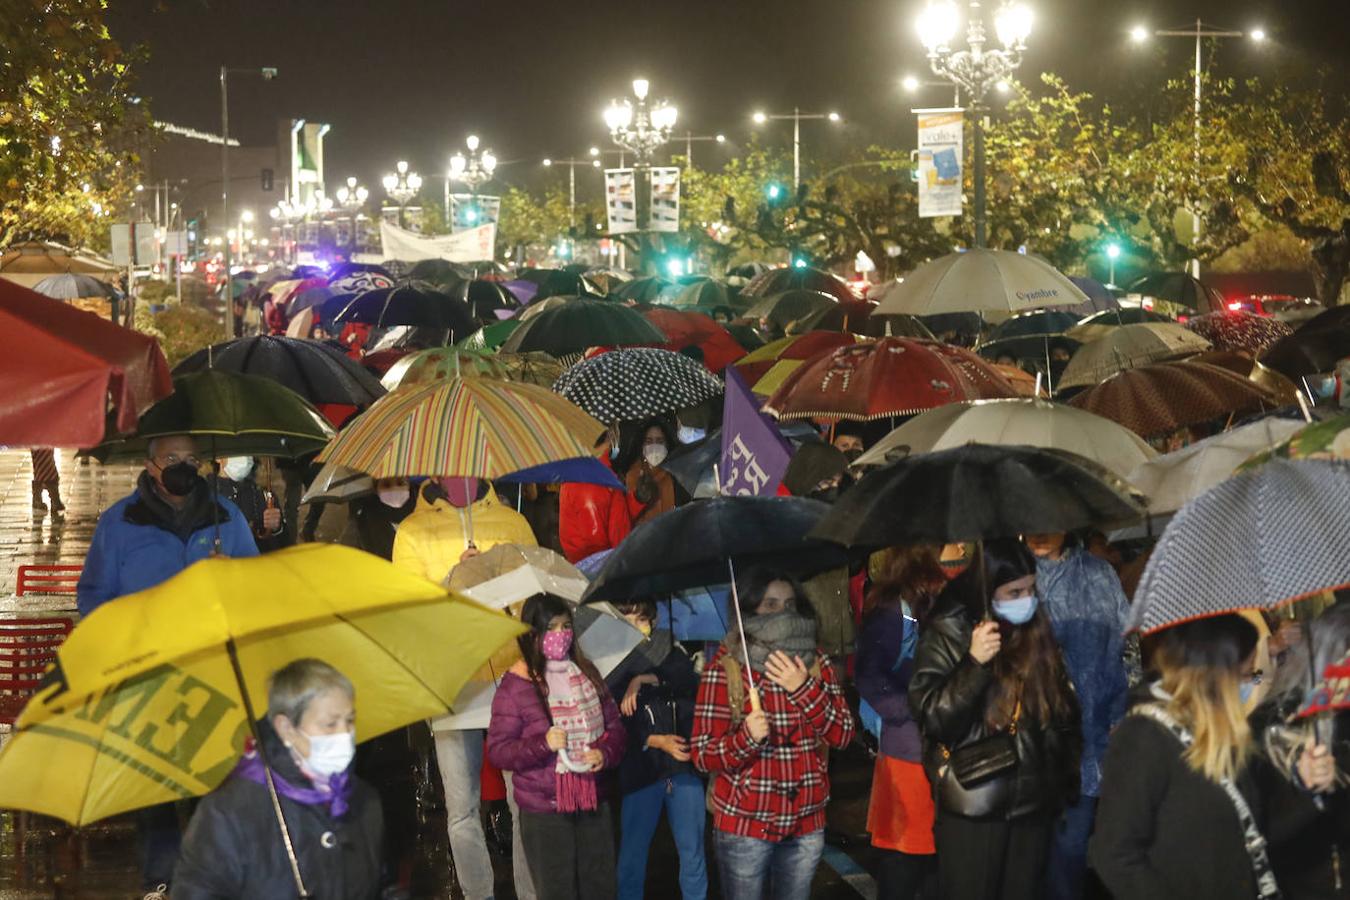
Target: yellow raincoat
pixel 430 542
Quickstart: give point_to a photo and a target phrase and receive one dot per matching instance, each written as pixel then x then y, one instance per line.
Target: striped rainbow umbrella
pixel 473 428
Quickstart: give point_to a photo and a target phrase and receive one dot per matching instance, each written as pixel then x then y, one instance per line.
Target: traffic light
pixel 267 178
pixel 775 193
pixel 677 266
pixel 799 260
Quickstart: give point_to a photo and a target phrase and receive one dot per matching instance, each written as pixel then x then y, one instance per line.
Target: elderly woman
pixel 233 848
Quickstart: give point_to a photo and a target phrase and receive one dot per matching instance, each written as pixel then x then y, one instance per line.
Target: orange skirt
pixel 900 815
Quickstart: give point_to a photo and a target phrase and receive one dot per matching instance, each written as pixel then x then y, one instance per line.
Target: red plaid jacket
pixel 776 789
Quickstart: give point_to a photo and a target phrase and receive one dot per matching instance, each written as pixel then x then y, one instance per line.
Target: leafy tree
pixel 70 125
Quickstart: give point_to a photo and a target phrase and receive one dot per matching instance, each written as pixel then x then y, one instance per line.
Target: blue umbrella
pixel 698 614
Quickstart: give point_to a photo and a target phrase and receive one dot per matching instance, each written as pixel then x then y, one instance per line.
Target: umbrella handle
pixel 754 699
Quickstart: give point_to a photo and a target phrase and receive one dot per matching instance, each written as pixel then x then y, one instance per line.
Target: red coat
pixel 591 518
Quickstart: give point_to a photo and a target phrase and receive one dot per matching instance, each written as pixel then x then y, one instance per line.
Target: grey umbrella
pixel 1256 541
pixel 71 286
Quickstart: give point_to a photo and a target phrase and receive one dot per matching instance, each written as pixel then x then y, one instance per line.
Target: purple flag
pixel 754 454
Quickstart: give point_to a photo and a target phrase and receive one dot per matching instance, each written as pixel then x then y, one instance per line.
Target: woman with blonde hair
pixel 1182 810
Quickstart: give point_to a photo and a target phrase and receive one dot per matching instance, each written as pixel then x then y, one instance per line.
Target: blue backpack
pixel 871 719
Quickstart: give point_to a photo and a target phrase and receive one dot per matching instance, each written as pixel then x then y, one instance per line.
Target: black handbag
pixel 971 779
pixel 988 758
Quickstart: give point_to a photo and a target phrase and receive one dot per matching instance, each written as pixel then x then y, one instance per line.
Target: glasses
pixel 174 459
pixel 1254 677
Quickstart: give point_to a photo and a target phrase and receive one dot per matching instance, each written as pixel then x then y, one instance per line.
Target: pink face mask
pixel 460 491
pixel 556 645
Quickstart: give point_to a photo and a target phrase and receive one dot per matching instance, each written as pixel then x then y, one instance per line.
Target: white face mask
pixel 236 468
pixel 395 497
pixel 654 454
pixel 330 754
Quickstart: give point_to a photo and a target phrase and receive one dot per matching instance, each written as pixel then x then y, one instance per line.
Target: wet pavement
pixel 44 858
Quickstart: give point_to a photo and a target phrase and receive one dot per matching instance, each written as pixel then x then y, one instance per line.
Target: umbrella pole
pixel 267 770
pixel 745 649
pixel 984 581
pixel 470 494
pixel 215 500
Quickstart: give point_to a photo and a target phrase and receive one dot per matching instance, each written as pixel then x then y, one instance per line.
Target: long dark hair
pixel 912 574
pixel 631 449
pixel 537 613
pixel 1029 667
pixel 750 588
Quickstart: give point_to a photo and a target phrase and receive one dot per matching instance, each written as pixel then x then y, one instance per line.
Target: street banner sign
pixel 665 209
pixel 621 200
pixel 466 246
pixel 939 162
pixel 133 244
pixel 468 211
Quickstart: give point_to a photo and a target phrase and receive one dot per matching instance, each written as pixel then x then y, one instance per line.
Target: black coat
pixel 949 695
pixel 1165 831
pixel 664 708
pixel 252 502
pixel 233 850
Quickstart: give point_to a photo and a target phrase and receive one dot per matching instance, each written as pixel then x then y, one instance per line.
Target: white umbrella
pixel 980 281
pixel 338 484
pixel 1126 347
pixel 1174 479
pixel 1026 421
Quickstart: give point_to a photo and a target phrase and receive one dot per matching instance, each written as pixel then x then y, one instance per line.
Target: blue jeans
pixel 682 797
pixel 746 865
pixel 1068 851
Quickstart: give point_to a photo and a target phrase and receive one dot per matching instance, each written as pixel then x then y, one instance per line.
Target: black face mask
pixel 852 455
pixel 179 479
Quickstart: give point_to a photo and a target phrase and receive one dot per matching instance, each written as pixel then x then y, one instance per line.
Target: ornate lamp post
pixel 641 129
pixel 286 214
pixel 473 171
pixel 351 197
pixel 402 186
pixel 977 69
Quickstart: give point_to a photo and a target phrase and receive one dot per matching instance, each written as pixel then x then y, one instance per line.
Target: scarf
pixel 336 792
pixel 787 631
pixel 574 706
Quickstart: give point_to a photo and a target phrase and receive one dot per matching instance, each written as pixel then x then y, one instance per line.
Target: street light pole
pixel 796 116
pixel 641 128
pixel 689 138
pixel 268 73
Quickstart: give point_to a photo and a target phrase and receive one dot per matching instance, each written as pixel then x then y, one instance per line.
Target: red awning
pixel 63 371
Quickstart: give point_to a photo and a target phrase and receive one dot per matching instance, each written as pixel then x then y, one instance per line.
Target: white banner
pixel 939 158
pixel 621 200
pixel 467 246
pixel 665 212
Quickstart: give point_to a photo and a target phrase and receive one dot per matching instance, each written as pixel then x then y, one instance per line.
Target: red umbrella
pixel 887 377
pixel 1240 331
pixel 64 369
pixel 695 329
pixel 757 364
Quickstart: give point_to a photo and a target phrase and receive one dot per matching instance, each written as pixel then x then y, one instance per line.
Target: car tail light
pixel 1235 305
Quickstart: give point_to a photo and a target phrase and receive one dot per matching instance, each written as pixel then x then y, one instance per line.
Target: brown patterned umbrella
pixel 1158 399
pixel 1235 330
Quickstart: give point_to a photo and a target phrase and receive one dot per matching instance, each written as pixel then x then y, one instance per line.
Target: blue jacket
pixel 1087 610
pixel 136 546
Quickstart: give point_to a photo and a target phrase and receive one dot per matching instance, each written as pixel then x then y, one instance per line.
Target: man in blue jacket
pixel 145 539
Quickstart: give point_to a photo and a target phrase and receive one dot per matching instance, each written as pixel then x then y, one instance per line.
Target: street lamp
pixel 975 70
pixel 690 137
pixel 402 186
pixel 474 171
pixel 351 197
pixel 1141 33
pixel 641 128
pixel 592 163
pixel 267 73
pixel 797 116
pixel 1112 254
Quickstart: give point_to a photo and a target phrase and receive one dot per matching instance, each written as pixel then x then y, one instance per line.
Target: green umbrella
pixel 230 415
pixel 489 337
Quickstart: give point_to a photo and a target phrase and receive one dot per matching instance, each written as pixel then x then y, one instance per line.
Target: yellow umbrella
pixel 145 704
pixel 774 378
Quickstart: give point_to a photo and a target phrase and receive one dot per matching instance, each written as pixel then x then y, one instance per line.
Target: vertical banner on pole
pixel 940 162
pixel 621 200
pixel 469 211
pixel 665 209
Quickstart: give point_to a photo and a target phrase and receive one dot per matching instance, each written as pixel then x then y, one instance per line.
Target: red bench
pixel 27 648
pixel 47 580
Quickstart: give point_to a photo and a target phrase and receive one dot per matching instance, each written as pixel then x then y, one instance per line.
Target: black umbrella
pixel 644 290
pixel 313 370
pixel 690 546
pixel 484 297
pixel 975 492
pixel 410 305
pixel 694 465
pixel 798 278
pixel 1179 288
pixel 342 270
pixel 438 271
pixel 559 283
pixel 1309 351
pixel 574 326
pixel 1035 324
pixel 637 383
pixel 786 307
pixel 961 323
pixel 746 336
pixel 1336 317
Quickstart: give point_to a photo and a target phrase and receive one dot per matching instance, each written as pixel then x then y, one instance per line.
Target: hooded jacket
pixel 663 708
pixel 141 541
pixel 591 519
pixel 430 542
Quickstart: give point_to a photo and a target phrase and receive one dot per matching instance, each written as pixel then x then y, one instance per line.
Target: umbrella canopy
pixel 338 484
pixel 1100 324
pixel 977 492
pixel 686 328
pixel 490 337
pixel 645 290
pixel 1023 382
pixel 1158 399
pixel 853 316
pixel 689 546
pixel 560 283
pixel 1335 317
pixel 484 297
pixel 1238 331
pixel 1280 387
pixel 637 383
pixel 27 262
pixel 438 271
pixel 1179 288
pixel 1256 541
pixel 1026 422
pixel 747 271
pixel 977 280
pixel 1174 479
pixel 1308 351
pixel 410 305
pixel 579 324
pixel 342 270
pixel 70 286
pixel 233 414
pixel 314 297
pixel 1326 440
pixel 81 751
pixel 1332 693
pixel 1127 347
pixel 708 295
pixel 782 309
pixel 1035 324
pixel 66 370
pixel 470 427
pixel 360 282
pixel 1099 296
pixel 756 364
pixel 440 363
pixel 315 371
pixel 798 278
pixel 510 573
pixel 887 377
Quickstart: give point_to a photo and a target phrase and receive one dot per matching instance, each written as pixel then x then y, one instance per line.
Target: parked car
pixel 1284 307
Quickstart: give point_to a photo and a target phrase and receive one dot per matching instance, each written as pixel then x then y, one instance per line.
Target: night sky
pixel 402 79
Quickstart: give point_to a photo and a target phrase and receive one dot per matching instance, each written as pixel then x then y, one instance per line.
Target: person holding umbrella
pixel 555 727
pixel 1000 727
pixel 232 848
pixel 769 707
pixel 651 489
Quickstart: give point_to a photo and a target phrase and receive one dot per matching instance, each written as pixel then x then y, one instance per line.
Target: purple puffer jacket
pixel 515 742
